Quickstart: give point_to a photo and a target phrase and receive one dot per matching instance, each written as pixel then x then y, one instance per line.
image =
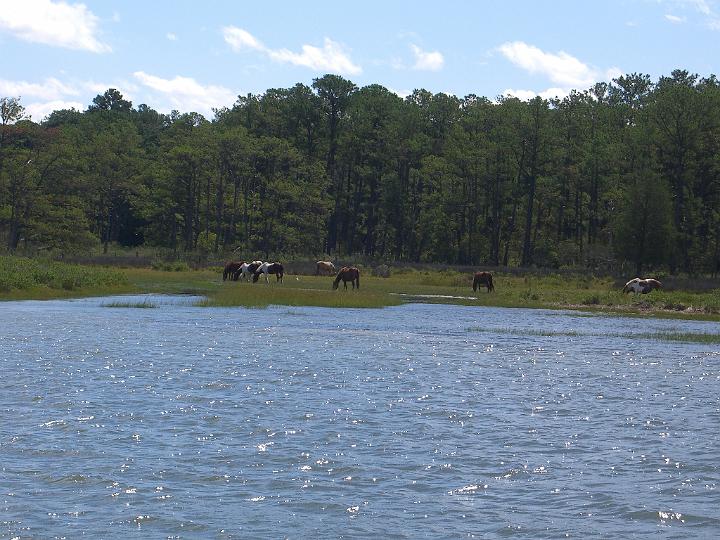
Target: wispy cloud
pixel 561 68
pixel 427 61
pixel 331 57
pixel 38 111
pixel 50 89
pixel 58 24
pixel 566 72
pixel 706 8
pixel 171 36
pixel 186 94
pixel 675 19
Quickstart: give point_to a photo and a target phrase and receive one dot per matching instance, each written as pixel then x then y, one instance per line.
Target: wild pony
pixel 230 268
pixel 246 270
pixel 483 279
pixel 269 268
pixel 643 286
pixel 326 268
pixel 347 273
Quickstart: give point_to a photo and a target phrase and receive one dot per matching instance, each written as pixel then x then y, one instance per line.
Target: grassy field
pixel 32 279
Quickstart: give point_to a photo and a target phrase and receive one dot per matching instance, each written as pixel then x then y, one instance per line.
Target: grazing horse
pixel 231 268
pixel 246 270
pixel 483 278
pixel 269 268
pixel 347 273
pixel 643 286
pixel 326 268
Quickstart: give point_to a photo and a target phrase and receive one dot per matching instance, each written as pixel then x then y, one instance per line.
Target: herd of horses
pixel 236 270
pixel 241 270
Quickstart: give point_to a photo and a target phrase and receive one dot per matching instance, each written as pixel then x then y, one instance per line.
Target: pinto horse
pixel 246 270
pixel 326 268
pixel 269 268
pixel 643 286
pixel 347 273
pixel 483 278
pixel 231 267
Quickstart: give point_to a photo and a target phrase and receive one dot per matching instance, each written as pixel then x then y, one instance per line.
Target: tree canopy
pixel 623 172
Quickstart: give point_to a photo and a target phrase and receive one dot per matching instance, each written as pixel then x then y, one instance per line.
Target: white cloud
pixel 427 61
pixel 525 95
pixel 58 24
pixel 186 94
pixel 675 19
pixel 561 68
pixel 704 7
pixel 38 111
pixel 331 57
pixel 50 89
pixel 171 36
pixel 240 39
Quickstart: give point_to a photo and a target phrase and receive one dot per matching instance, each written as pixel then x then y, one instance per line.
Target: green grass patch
pixel 262 295
pixel 38 278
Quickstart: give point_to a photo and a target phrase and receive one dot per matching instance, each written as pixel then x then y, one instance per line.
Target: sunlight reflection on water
pixel 417 420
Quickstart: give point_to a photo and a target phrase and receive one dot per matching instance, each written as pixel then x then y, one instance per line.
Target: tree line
pixel 623 173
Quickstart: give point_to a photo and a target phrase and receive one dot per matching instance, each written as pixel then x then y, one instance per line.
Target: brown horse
pixel 483 278
pixel 643 286
pixel 326 268
pixel 231 269
pixel 347 273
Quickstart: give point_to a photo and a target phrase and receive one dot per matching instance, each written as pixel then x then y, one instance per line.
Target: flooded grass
pixel 145 304
pixel 684 337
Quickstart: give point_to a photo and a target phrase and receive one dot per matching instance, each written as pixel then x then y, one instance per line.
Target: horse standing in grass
pixel 347 273
pixel 643 286
pixel 231 268
pixel 246 270
pixel 483 279
pixel 269 268
pixel 325 268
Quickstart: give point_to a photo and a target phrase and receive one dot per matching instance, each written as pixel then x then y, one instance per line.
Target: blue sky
pixel 193 56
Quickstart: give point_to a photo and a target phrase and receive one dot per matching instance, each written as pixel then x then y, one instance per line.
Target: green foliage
pixel 621 174
pixel 23 273
pixel 170 266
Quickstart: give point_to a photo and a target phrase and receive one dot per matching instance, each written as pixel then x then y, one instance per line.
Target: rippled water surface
pixel 412 421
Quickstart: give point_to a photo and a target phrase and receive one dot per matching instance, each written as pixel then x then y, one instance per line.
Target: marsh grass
pixel 262 295
pixel 686 337
pixel 21 277
pixel 119 304
pixel 26 279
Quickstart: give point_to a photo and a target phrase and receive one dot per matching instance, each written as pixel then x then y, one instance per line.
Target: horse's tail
pixel 475 283
pixel 491 286
pixel 226 271
pixel 357 278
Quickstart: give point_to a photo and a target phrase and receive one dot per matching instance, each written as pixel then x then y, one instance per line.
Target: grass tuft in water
pixel 119 304
pixel 687 337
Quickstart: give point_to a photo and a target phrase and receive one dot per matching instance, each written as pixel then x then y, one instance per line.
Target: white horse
pixel 642 286
pixel 248 269
pixel 269 268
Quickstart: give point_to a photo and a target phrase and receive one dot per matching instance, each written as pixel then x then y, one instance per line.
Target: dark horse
pixel 269 268
pixel 347 273
pixel 483 278
pixel 231 269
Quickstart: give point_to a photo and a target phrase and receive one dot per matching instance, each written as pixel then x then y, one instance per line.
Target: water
pixel 414 421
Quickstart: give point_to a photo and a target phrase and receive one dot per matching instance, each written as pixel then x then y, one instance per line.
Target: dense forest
pixel 624 173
